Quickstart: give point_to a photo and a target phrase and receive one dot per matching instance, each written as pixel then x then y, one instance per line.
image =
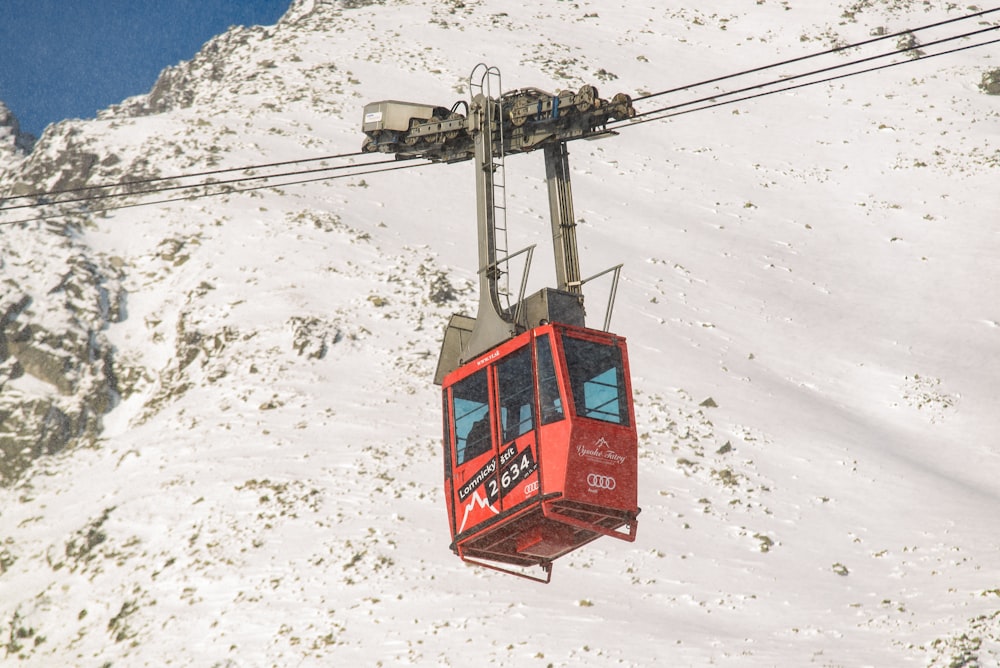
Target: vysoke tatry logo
pixel 600 452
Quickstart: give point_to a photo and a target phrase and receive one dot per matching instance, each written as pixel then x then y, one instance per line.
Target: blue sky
pixel 68 58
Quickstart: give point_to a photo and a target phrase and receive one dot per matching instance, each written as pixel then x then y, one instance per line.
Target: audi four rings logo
pixel 601 481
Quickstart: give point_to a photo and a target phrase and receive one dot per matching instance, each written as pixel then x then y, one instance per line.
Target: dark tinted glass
pixel 548 386
pixel 517 394
pixel 470 399
pixel 596 379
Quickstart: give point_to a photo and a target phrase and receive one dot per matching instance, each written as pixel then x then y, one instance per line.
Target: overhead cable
pixel 227 191
pixel 819 54
pixel 41 194
pixel 258 177
pixel 661 113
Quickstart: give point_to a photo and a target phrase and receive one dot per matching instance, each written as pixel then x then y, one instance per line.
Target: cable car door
pixel 493 412
pixel 517 473
pixel 475 461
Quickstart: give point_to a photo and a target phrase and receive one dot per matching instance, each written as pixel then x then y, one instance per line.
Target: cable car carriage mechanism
pixel 540 445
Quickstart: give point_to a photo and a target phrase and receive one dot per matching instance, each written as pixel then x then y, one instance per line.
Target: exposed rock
pixel 182 85
pixel 56 372
pixel 991 82
pixel 312 337
pixel 13 142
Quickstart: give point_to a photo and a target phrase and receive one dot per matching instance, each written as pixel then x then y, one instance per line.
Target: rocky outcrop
pixel 183 85
pixel 991 82
pixel 62 160
pixel 56 373
pixel 57 298
pixel 13 142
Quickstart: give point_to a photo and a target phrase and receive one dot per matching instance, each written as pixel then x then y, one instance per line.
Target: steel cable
pixel 660 113
pixel 228 191
pixel 156 179
pixel 828 52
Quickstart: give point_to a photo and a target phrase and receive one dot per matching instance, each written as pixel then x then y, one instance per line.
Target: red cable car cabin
pixel 540 447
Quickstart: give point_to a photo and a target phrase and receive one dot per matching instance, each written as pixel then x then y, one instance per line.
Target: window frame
pixel 579 380
pixel 519 356
pixel 473 416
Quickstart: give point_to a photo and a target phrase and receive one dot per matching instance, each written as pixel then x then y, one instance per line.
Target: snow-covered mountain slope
pixel 809 295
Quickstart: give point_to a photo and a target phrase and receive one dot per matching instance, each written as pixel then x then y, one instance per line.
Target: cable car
pixel 540 452
pixel 540 447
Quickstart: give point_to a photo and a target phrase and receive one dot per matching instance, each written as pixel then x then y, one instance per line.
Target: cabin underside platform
pixel 543 532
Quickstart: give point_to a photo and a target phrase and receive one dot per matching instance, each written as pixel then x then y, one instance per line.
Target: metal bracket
pixel 614 291
pixel 632 523
pixel 545 566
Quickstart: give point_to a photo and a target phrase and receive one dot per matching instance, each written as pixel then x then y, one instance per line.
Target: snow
pixel 821 264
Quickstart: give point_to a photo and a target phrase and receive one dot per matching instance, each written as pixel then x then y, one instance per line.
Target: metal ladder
pixel 489 81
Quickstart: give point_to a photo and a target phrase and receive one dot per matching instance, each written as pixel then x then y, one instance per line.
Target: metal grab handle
pixel 614 291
